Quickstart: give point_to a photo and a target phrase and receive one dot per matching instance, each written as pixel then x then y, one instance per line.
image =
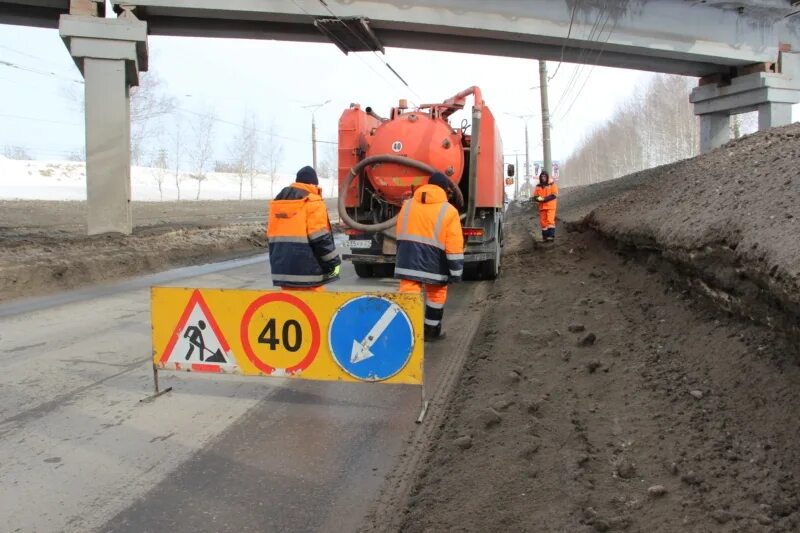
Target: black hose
pixel 373 160
pixel 371 112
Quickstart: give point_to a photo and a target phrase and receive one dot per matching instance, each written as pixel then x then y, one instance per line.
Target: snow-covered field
pixel 66 180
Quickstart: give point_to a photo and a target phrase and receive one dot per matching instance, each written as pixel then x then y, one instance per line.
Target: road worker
pixel 546 194
pixel 302 254
pixel 430 248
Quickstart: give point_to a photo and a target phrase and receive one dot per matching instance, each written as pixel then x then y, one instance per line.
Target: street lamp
pixel 313 108
pixel 525 118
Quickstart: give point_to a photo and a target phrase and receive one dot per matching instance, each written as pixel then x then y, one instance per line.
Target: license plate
pixel 367 243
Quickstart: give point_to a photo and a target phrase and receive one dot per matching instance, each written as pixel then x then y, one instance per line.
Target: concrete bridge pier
pixel 109 53
pixel 770 93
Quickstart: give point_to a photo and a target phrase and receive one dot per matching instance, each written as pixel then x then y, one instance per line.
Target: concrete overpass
pixel 745 52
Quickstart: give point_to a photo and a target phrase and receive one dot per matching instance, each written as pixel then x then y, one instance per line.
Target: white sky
pixel 274 79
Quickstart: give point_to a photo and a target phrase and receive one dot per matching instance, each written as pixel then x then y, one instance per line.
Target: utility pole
pixel 313 141
pixel 525 118
pixel 313 108
pixel 527 154
pixel 548 161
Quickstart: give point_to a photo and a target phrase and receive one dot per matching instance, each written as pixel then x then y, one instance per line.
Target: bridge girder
pixel 690 37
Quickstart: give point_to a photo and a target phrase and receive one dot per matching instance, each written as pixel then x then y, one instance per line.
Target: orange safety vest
pixel 544 192
pixel 430 241
pixel 302 252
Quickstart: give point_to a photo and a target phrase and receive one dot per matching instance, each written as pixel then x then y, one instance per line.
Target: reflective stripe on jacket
pixel 301 247
pixel 544 192
pixel 430 242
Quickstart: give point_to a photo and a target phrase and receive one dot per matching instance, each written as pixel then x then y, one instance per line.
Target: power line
pixel 222 120
pixel 37 71
pixel 583 58
pixel 35 119
pixel 583 54
pixel 564 44
pixel 343 46
pixel 576 73
pixel 31 56
pixel 357 36
pixel 585 81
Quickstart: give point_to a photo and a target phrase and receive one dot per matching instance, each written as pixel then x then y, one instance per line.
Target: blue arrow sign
pixel 371 338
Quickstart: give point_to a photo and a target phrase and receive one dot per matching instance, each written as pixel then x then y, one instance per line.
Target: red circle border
pixel 291 300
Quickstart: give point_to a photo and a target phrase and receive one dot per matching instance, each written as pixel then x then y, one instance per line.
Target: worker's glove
pixel 334 273
pixel 539 198
pixel 454 198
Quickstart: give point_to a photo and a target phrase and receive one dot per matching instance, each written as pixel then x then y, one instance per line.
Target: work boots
pixel 434 333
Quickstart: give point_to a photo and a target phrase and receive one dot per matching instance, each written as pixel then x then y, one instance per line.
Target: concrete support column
pixel 714 131
pixel 110 53
pixel 108 152
pixel 771 115
pixel 772 94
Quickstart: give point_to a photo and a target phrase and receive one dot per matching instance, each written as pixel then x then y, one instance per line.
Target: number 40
pixel 291 339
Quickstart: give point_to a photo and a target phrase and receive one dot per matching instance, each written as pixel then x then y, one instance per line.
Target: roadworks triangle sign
pixel 197 344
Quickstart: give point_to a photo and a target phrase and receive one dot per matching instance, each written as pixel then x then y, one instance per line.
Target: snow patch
pixel 66 180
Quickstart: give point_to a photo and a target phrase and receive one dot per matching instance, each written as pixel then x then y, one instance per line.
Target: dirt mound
pixel 731 218
pixel 602 397
pixel 44 248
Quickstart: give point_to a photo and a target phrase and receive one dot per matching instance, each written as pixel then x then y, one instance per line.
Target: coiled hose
pixel 374 160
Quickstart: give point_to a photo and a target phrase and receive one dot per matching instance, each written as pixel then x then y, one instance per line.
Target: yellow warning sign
pixel 343 336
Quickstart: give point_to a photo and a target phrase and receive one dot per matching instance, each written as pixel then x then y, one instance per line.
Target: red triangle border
pixel 195 299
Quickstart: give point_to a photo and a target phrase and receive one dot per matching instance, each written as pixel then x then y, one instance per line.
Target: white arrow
pixel 361 350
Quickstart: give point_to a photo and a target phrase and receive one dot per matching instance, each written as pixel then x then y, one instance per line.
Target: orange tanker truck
pixel 382 161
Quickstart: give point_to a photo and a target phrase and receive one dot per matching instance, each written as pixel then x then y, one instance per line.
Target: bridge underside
pixel 690 37
pixel 746 51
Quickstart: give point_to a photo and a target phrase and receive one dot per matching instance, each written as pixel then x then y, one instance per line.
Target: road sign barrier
pixel 337 336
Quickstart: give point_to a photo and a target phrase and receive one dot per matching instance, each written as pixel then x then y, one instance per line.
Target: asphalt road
pixel 219 453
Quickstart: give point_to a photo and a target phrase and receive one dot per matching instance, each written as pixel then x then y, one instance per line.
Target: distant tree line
pixel 655 126
pixel 181 144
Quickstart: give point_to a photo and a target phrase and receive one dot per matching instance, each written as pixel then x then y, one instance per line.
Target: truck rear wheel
pixel 491 269
pixel 384 270
pixel 364 270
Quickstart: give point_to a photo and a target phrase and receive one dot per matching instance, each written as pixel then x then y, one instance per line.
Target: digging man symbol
pixel 195 336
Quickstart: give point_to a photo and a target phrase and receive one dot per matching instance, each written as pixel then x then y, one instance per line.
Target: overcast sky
pixel 275 79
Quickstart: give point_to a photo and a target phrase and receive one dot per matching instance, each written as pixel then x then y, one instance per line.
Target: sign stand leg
pixel 424 406
pixel 156 392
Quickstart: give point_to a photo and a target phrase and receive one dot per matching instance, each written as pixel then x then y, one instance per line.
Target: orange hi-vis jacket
pixel 302 252
pixel 430 242
pixel 551 189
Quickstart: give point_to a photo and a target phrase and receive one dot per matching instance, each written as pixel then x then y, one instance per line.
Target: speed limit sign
pixel 280 334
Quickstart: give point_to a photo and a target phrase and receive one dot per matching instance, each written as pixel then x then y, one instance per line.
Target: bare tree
pixel 251 154
pixel 77 156
pixel 203 151
pixel 273 155
pixel 653 127
pixel 177 141
pixel 16 152
pixel 328 169
pixel 744 124
pixel 244 152
pixel 160 165
pixel 238 165
pixel 149 103
pixel 149 106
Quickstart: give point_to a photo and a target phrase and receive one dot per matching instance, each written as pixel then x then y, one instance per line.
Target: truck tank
pixel 416 136
pixel 382 160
